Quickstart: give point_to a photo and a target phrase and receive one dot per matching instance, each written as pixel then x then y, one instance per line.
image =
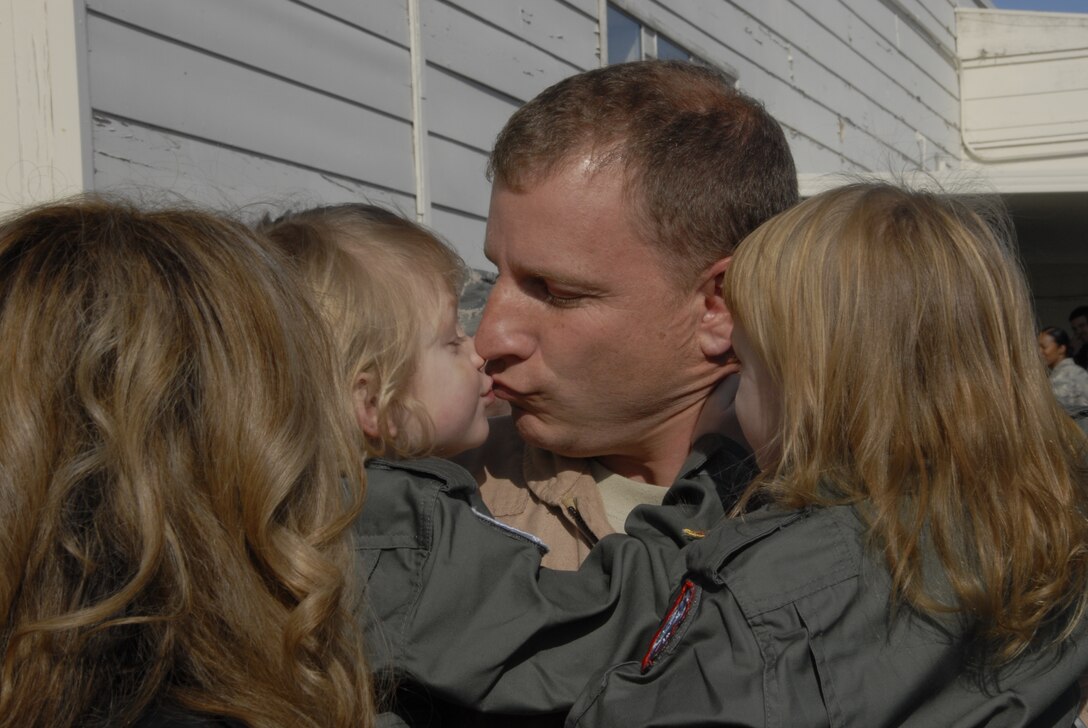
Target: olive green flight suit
pixel 460 609
pixel 783 620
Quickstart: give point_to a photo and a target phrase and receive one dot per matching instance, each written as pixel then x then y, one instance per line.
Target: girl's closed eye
pixel 458 340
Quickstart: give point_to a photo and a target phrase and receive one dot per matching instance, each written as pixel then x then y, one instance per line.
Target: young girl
pixel 389 291
pixel 172 551
pixel 924 561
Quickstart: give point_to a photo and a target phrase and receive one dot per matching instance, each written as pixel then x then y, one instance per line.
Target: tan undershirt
pixel 621 495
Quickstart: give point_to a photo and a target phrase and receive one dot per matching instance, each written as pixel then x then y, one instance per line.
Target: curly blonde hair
pixel 899 328
pixel 381 280
pixel 175 496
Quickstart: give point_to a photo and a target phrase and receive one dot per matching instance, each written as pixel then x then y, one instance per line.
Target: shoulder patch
pixel 512 532
pixel 682 608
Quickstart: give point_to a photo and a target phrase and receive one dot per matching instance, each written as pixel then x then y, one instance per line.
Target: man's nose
pixel 504 333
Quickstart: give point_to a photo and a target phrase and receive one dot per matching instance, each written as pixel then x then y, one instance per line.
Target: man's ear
pixel 715 329
pixel 366 409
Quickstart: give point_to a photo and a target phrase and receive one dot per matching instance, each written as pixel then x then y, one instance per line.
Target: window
pixel 624 37
pixel 630 40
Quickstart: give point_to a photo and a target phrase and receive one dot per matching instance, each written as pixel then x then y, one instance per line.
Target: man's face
pixel 592 344
pixel 1080 328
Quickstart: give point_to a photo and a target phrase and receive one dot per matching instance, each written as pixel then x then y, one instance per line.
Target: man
pixel 1078 321
pixel 619 195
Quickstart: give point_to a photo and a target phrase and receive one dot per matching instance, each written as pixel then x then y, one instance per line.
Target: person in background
pixel 178 476
pixel 924 557
pixel 1078 322
pixel 1068 381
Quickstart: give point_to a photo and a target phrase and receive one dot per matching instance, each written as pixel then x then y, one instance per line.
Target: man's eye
pixel 554 297
pixel 554 300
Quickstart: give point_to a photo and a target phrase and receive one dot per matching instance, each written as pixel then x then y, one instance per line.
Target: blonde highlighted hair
pixel 175 495
pixel 899 328
pixel 381 281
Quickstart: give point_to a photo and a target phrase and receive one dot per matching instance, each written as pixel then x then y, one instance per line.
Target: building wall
pixel 859 85
pixel 235 104
pixel 1024 85
pixel 262 104
pixel 1024 81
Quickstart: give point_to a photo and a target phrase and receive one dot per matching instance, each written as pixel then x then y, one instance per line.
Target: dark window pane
pixel 624 37
pixel 668 50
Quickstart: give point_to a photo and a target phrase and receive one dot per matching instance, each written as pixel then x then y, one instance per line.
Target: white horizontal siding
pixel 917 52
pixel 459 109
pixel 802 61
pixel 483 60
pixel 461 43
pixel 336 58
pixel 552 27
pixel 316 95
pixel 387 18
pixel 936 18
pixel 465 233
pixel 319 92
pixel 457 177
pixel 178 88
pixel 139 161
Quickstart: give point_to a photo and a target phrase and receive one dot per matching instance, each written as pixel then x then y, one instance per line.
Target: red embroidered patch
pixel 679 611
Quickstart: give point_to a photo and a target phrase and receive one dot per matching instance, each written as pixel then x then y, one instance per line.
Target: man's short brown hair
pixel 705 164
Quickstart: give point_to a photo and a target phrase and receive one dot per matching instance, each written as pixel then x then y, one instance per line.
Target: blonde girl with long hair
pixel 177 477
pixel 915 548
pixel 389 291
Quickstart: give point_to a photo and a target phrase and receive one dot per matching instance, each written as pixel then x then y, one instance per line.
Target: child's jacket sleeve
pixel 459 605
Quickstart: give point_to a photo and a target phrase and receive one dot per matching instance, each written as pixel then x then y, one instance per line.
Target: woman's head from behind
pixel 895 333
pixel 389 289
pixel 170 475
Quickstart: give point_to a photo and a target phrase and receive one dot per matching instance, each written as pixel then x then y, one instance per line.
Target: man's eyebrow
pixel 535 269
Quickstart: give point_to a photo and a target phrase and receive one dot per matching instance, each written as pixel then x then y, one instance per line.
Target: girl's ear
pixel 366 409
pixel 716 324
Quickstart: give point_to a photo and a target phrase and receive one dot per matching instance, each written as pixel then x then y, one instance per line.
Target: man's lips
pixel 504 392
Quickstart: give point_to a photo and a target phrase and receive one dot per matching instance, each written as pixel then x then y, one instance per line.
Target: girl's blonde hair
pixel 899 328
pixel 174 492
pixel 381 280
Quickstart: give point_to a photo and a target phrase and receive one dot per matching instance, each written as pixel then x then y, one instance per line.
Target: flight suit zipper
pixel 571 507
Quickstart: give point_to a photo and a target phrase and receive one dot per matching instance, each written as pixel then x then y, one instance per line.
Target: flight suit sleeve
pixel 460 605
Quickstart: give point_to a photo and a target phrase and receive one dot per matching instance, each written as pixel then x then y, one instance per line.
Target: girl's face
pixel 451 385
pixel 1050 351
pixel 758 401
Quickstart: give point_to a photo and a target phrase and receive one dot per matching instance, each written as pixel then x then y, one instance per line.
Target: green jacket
pixel 784 621
pixel 459 606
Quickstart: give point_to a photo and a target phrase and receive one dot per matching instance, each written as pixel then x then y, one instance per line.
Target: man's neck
pixel 661 472
pixel 659 456
pixel 659 462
